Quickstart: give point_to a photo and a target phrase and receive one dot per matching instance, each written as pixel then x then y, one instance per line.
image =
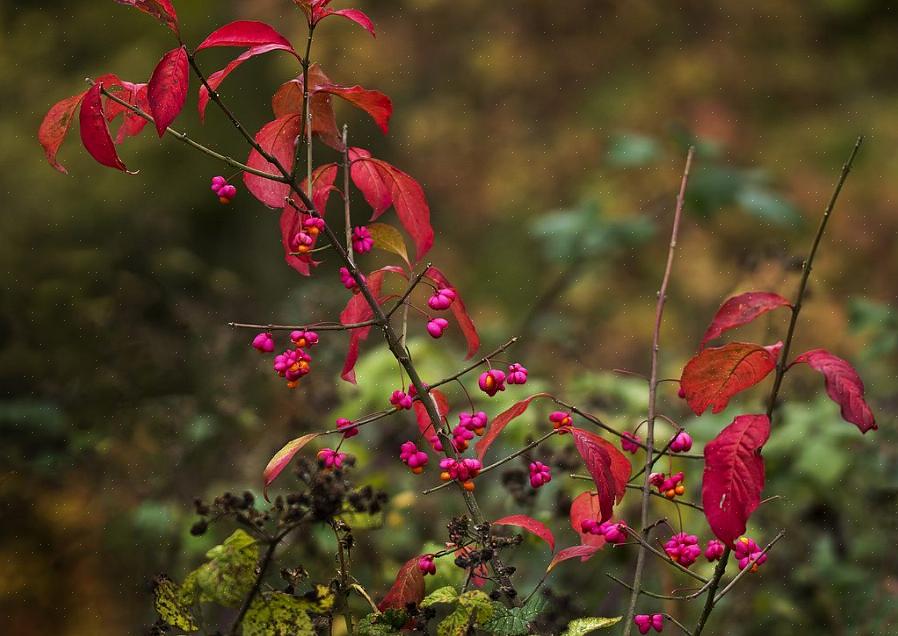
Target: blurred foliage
pixel 125 395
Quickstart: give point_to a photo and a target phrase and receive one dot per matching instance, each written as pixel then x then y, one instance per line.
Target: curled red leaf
pixel 56 125
pixel 734 475
pixel 162 10
pixel 282 459
pixel 167 89
pixel 586 506
pixel 843 385
pixel 459 311
pixel 133 94
pixel 498 423
pixel 407 588
pixel 245 33
pixel 741 310
pixel 531 525
pixel 609 467
pixel 716 374
pixel 94 131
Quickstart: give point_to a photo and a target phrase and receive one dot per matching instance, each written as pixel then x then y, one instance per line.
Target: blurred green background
pixel 550 137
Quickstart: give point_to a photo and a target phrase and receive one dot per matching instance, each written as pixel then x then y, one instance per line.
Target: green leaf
pixel 387 238
pixel 362 520
pixel 456 623
pixel 228 576
pixel 478 604
pixel 389 623
pixel 442 595
pixel 581 626
pixel 515 621
pixel 168 604
pixel 278 614
pixel 632 150
pixel 763 203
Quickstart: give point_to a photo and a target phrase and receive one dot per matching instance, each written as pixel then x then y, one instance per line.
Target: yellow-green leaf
pixel 168 604
pixel 582 626
pixel 387 238
pixel 277 614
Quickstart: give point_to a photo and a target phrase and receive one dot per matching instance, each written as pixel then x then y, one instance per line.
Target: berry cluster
pixel 714 550
pixel 303 241
pixel 349 281
pixel 349 429
pixel 683 548
pixel 681 443
pixel 630 442
pixel 223 190
pixel 613 531
pixel 415 459
pixel 362 241
pixel 401 400
pixel 540 474
pixel 293 363
pixel 329 458
pixel 671 486
pixel 460 470
pixel 441 299
pixel 746 551
pixel 644 622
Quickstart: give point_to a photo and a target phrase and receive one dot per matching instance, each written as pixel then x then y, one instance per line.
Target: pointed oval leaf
pixel 218 77
pixel 167 89
pixel 245 33
pixel 843 385
pixel 586 506
pixel 583 626
pixel 56 125
pixel 282 458
pixel 375 103
pixel 741 310
pixel 407 588
pixel 716 374
pixel 410 205
pixel 387 238
pixel 498 423
pixel 459 311
pixel 289 99
pixel 278 139
pixel 734 475
pixel 582 552
pixel 162 10
pixel 368 179
pixel 531 525
pixel 132 123
pixel 608 466
pixel 94 131
pixel 357 16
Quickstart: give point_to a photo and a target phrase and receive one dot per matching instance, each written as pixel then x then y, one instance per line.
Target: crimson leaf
pixel 584 552
pixel 843 385
pixel 56 125
pixel 741 310
pixel 162 10
pixel 278 139
pixel 282 458
pixel 529 524
pixel 167 89
pixel 498 423
pixel 586 506
pixel 245 33
pixel 608 466
pixel 95 132
pixel 423 417
pixel 716 374
pixel 407 588
pixel 734 475
pixel 459 311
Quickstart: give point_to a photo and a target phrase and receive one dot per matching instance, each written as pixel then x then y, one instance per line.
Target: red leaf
pixel 218 77
pixel 292 218
pixel 278 139
pixel 424 423
pixel 715 375
pixel 411 207
pixel 609 467
pixel 499 422
pixel 843 385
pixel 95 132
pixel 167 90
pixel 584 552
pixel 132 123
pixel 734 475
pixel 408 587
pixel 372 102
pixel 56 125
pixel 162 10
pixel 282 458
pixel 355 15
pixel 289 98
pixel 530 525
pixel 245 33
pixel 586 506
pixel 368 179
pixel 741 310
pixel 459 311
pixel 358 310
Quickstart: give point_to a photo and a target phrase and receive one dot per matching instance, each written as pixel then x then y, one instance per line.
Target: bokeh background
pixel 549 137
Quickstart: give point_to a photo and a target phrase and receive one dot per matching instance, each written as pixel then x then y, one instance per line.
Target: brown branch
pixel 316 327
pixel 653 392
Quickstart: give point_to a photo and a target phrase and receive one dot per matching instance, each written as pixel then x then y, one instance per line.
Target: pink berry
pixel 362 241
pixel 263 342
pixel 561 421
pixel 540 474
pixel 304 339
pixel 517 374
pixel 401 400
pixel 441 299
pixel 412 457
pixel 348 281
pixel 681 393
pixel 683 548
pixel 746 550
pixel 436 327
pixel 681 443
pixel 349 430
pixel 329 458
pixel 714 550
pixel 292 364
pixel 218 183
pixel 476 422
pixel 630 442
pixel 614 532
pixel 461 435
pixel 426 564
pixel 492 381
pixel 645 622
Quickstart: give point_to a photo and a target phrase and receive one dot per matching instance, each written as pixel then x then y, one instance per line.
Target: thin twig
pixel 653 392
pixel 645 544
pixel 322 327
pixel 748 567
pixel 688 504
pixel 411 287
pixel 678 624
pixel 473 366
pixel 257 584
